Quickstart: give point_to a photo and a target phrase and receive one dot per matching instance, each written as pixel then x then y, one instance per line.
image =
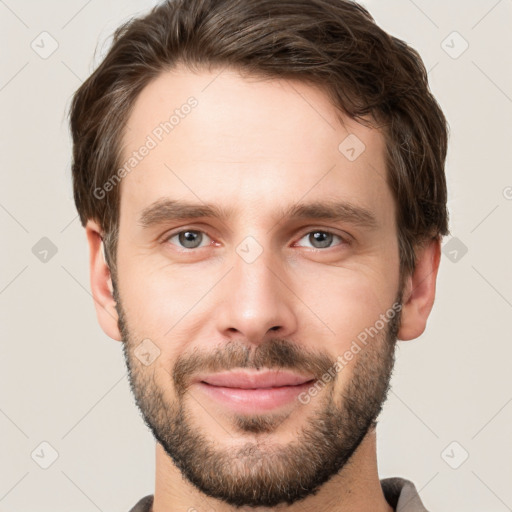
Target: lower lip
pixel 254 400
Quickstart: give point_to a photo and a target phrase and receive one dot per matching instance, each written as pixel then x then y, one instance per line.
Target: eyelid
pixel 170 234
pixel 345 240
pixel 345 237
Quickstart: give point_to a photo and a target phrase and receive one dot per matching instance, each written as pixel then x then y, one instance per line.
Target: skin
pixel 256 146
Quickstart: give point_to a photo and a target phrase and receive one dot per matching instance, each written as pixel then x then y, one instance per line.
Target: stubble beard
pixel 259 472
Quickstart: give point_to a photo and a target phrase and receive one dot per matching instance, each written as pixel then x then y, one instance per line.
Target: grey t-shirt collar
pixel 400 493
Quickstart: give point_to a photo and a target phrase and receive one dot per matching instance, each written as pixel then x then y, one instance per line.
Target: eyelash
pixel 344 240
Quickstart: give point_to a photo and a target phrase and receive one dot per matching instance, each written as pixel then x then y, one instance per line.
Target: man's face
pixel 248 312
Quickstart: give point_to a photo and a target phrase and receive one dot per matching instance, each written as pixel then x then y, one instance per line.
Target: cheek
pixel 174 305
pixel 351 304
pixel 166 305
pixel 343 303
pixel 158 296
pixel 161 303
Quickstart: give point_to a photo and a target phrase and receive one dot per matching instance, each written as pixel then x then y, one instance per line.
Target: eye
pixel 320 239
pixel 189 238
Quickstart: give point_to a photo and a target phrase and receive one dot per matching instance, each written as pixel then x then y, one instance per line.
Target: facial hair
pixel 259 473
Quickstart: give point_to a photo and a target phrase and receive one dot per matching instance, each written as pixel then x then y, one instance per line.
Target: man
pixel 263 191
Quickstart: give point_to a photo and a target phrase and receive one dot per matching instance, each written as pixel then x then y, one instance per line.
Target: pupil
pixel 190 239
pixel 323 238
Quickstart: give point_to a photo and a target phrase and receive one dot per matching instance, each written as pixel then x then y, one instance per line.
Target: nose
pixel 257 302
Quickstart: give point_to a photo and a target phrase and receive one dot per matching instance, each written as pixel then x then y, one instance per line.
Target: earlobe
pixel 101 283
pixel 419 291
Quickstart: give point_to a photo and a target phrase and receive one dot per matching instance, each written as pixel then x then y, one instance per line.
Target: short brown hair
pixel 334 44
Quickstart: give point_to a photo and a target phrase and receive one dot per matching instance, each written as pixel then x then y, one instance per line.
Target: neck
pixel 356 488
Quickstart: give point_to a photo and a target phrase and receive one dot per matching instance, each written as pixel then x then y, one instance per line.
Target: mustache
pixel 277 353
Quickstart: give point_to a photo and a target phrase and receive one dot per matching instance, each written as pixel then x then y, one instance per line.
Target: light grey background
pixel 63 382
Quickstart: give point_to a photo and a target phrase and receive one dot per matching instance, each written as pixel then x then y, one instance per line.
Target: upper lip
pixel 255 379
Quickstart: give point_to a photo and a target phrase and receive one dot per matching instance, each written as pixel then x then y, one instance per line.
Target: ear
pixel 101 283
pixel 420 291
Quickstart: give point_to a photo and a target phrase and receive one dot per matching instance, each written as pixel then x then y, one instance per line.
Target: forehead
pixel 249 140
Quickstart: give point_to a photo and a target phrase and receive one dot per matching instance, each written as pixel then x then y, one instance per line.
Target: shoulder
pixel 402 495
pixel 143 505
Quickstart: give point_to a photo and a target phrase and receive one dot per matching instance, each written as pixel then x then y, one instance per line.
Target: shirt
pixel 400 493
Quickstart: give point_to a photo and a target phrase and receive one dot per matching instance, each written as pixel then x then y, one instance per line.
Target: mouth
pixel 254 391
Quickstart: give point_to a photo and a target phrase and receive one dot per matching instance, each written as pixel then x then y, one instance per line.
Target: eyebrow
pixel 165 210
